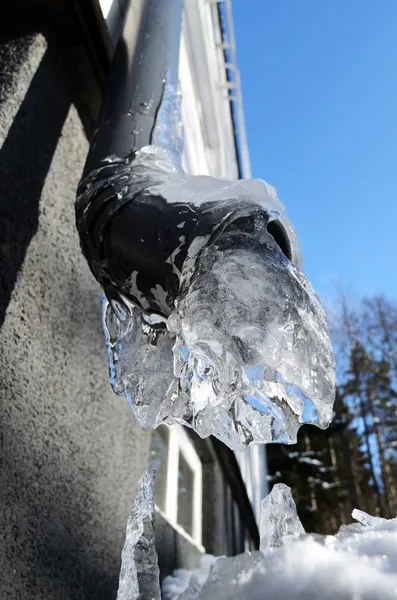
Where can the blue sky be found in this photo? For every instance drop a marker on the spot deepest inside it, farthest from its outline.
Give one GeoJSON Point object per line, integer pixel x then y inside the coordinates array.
{"type": "Point", "coordinates": [319, 83]}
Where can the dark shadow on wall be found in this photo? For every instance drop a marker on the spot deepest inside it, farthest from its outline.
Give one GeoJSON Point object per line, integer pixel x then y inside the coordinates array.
{"type": "Point", "coordinates": [25, 159]}
{"type": "Point", "coordinates": [52, 532]}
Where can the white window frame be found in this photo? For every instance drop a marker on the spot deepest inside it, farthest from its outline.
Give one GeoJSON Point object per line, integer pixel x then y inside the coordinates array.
{"type": "Point", "coordinates": [179, 443]}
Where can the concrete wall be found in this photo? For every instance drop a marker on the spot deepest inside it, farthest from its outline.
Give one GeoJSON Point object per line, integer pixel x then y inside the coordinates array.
{"type": "Point", "coordinates": [70, 450]}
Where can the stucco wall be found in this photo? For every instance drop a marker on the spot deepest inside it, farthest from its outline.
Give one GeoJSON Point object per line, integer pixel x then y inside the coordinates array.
{"type": "Point", "coordinates": [70, 450]}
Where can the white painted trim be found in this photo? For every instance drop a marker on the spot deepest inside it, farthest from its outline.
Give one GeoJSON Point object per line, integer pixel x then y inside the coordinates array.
{"type": "Point", "coordinates": [209, 133]}
{"type": "Point", "coordinates": [202, 38]}
{"type": "Point", "coordinates": [195, 156]}
{"type": "Point", "coordinates": [179, 442]}
{"type": "Point", "coordinates": [171, 502]}
{"type": "Point", "coordinates": [187, 449]}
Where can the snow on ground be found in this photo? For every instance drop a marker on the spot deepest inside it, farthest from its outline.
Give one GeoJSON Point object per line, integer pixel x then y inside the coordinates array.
{"type": "Point", "coordinates": [358, 563]}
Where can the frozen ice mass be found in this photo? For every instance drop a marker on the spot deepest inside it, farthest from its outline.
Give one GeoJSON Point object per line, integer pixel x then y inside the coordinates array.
{"type": "Point", "coordinates": [139, 573]}
{"type": "Point", "coordinates": [358, 563]}
{"type": "Point", "coordinates": [278, 518]}
{"type": "Point", "coordinates": [242, 349]}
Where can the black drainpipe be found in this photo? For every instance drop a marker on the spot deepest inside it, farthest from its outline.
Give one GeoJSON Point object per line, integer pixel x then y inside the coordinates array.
{"type": "Point", "coordinates": [135, 235]}
{"type": "Point", "coordinates": [146, 56]}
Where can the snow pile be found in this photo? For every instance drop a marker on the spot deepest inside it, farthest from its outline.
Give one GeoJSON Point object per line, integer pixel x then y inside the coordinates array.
{"type": "Point", "coordinates": [358, 563]}
{"type": "Point", "coordinates": [244, 353]}
{"type": "Point", "coordinates": [183, 580]}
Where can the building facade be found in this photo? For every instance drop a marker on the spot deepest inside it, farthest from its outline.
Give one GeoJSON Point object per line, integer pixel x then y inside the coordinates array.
{"type": "Point", "coordinates": [71, 452]}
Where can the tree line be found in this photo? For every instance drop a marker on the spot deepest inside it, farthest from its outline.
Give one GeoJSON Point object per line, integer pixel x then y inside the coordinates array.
{"type": "Point", "coordinates": [352, 464]}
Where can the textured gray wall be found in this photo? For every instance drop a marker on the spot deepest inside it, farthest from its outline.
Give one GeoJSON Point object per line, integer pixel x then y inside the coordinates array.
{"type": "Point", "coordinates": [70, 450]}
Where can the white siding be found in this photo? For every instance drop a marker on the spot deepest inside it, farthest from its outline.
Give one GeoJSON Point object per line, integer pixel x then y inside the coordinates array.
{"type": "Point", "coordinates": [209, 135]}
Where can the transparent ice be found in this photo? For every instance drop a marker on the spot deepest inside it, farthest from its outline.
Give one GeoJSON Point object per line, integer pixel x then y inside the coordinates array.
{"type": "Point", "coordinates": [245, 354]}
{"type": "Point", "coordinates": [139, 574]}
{"type": "Point", "coordinates": [278, 518]}
{"type": "Point", "coordinates": [227, 578]}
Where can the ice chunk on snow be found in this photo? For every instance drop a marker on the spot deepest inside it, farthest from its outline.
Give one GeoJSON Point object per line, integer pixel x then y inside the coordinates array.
{"type": "Point", "coordinates": [278, 518]}
{"type": "Point", "coordinates": [366, 519]}
{"type": "Point", "coordinates": [245, 354]}
{"type": "Point", "coordinates": [227, 577]}
{"type": "Point", "coordinates": [139, 574]}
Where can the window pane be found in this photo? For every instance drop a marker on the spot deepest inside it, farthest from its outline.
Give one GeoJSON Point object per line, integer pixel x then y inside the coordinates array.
{"type": "Point", "coordinates": [159, 461]}
{"type": "Point", "coordinates": [185, 495]}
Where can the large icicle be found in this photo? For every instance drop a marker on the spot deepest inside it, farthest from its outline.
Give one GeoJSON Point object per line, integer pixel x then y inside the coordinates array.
{"type": "Point", "coordinates": [139, 574]}
{"type": "Point", "coordinates": [244, 352]}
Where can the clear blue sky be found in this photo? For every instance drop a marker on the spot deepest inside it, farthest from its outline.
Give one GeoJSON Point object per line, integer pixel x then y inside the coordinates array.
{"type": "Point", "coordinates": [319, 83]}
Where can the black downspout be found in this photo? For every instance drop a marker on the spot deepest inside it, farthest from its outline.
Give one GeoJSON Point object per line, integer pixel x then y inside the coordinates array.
{"type": "Point", "coordinates": [136, 235]}
{"type": "Point", "coordinates": [145, 60]}
{"type": "Point", "coordinates": [143, 75]}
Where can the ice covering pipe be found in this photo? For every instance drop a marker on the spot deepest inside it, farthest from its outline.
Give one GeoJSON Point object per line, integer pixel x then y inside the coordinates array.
{"type": "Point", "coordinates": [135, 237]}
{"type": "Point", "coordinates": [202, 275]}
{"type": "Point", "coordinates": [143, 223]}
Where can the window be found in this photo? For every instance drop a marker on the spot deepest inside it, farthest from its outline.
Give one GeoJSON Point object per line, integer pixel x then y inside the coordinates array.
{"type": "Point", "coordinates": [159, 452]}
{"type": "Point", "coordinates": [178, 492]}
{"type": "Point", "coordinates": [234, 525]}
